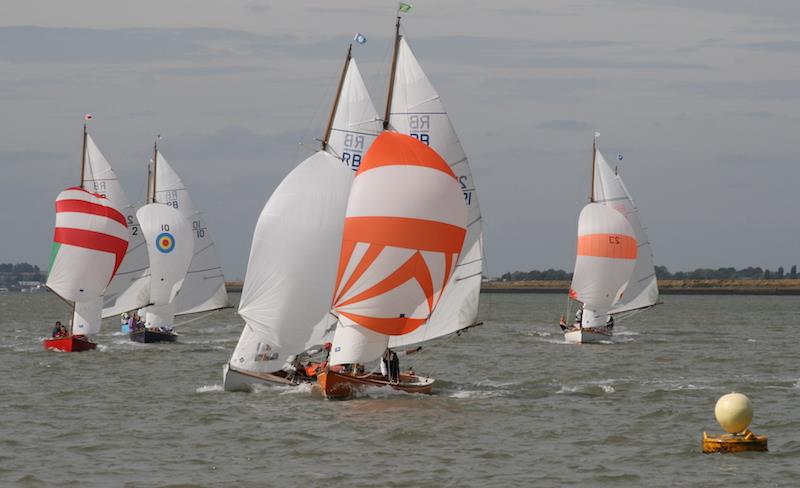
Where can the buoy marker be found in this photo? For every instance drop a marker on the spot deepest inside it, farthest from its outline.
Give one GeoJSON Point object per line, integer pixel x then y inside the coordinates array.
{"type": "Point", "coordinates": [734, 412]}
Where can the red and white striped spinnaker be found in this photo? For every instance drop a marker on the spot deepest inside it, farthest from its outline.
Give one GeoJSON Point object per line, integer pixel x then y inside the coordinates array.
{"type": "Point", "coordinates": [403, 234]}
{"type": "Point", "coordinates": [90, 240]}
{"type": "Point", "coordinates": [605, 259]}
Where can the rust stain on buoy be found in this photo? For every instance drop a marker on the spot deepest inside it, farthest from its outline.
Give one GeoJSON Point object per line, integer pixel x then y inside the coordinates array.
{"type": "Point", "coordinates": [743, 441]}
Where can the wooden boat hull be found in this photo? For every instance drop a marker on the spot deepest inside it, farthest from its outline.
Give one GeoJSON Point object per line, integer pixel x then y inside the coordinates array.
{"type": "Point", "coordinates": [342, 385]}
{"type": "Point", "coordinates": [69, 344]}
{"type": "Point", "coordinates": [147, 336]}
{"type": "Point", "coordinates": [235, 379]}
{"type": "Point", "coordinates": [588, 335]}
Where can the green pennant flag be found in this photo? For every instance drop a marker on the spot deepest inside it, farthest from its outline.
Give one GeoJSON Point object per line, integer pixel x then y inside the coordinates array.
{"type": "Point", "coordinates": [404, 7]}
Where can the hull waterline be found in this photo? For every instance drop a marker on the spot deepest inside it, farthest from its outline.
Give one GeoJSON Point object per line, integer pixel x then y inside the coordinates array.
{"type": "Point", "coordinates": [342, 386]}
{"type": "Point", "coordinates": [588, 335]}
{"type": "Point", "coordinates": [69, 344]}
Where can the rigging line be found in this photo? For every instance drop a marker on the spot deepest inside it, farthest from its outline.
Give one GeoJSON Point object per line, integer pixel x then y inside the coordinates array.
{"type": "Point", "coordinates": [479, 273]}
{"type": "Point", "coordinates": [200, 317]}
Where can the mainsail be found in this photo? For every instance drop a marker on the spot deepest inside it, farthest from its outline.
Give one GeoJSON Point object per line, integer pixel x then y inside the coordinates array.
{"type": "Point", "coordinates": [170, 247]}
{"type": "Point", "coordinates": [128, 290]}
{"type": "Point", "coordinates": [606, 256]}
{"type": "Point", "coordinates": [404, 230]}
{"type": "Point", "coordinates": [89, 243]}
{"type": "Point", "coordinates": [292, 267]}
{"type": "Point", "coordinates": [416, 109]}
{"type": "Point", "coordinates": [642, 289]}
{"type": "Point", "coordinates": [204, 286]}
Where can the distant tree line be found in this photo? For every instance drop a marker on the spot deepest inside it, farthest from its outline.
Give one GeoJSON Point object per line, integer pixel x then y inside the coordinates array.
{"type": "Point", "coordinates": [11, 274]}
{"type": "Point", "coordinates": [662, 273]}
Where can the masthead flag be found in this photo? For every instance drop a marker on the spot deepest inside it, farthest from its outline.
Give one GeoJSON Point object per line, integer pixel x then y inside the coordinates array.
{"type": "Point", "coordinates": [403, 7]}
{"type": "Point", "coordinates": [360, 38]}
{"type": "Point", "coordinates": [88, 117]}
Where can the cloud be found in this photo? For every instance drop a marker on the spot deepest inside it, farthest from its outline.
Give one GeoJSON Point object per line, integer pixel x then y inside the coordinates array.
{"type": "Point", "coordinates": [568, 125]}
{"type": "Point", "coordinates": [774, 46]}
{"type": "Point", "coordinates": [741, 90]}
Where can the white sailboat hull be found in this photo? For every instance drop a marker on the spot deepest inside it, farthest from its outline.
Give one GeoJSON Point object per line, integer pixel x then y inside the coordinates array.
{"type": "Point", "coordinates": [239, 380]}
{"type": "Point", "coordinates": [588, 336]}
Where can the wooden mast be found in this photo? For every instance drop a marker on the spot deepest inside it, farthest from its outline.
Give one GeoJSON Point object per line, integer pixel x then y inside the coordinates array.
{"type": "Point", "coordinates": [83, 154]}
{"type": "Point", "coordinates": [328, 129]}
{"type": "Point", "coordinates": [594, 156]}
{"type": "Point", "coordinates": [391, 75]}
{"type": "Point", "coordinates": [152, 195]}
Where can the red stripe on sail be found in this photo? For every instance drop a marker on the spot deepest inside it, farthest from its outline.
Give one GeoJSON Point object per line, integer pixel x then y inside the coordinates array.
{"type": "Point", "coordinates": [388, 326]}
{"type": "Point", "coordinates": [424, 235]}
{"type": "Point", "coordinates": [82, 206]}
{"type": "Point", "coordinates": [393, 148]}
{"type": "Point", "coordinates": [95, 241]}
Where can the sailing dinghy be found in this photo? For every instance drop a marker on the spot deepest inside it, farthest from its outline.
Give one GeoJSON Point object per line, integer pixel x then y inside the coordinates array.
{"type": "Point", "coordinates": [614, 270]}
{"type": "Point", "coordinates": [403, 233]}
{"type": "Point", "coordinates": [89, 243]}
{"type": "Point", "coordinates": [286, 298]}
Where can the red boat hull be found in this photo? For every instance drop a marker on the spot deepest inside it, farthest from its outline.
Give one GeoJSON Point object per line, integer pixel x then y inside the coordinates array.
{"type": "Point", "coordinates": [69, 344]}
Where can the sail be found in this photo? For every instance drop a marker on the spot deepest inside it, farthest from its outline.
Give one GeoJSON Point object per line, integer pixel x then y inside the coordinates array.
{"type": "Point", "coordinates": [605, 259]}
{"type": "Point", "coordinates": [609, 189]}
{"type": "Point", "coordinates": [417, 110]}
{"type": "Point", "coordinates": [128, 290]}
{"type": "Point", "coordinates": [204, 287]}
{"type": "Point", "coordinates": [86, 318]}
{"type": "Point", "coordinates": [404, 229]}
{"type": "Point", "coordinates": [286, 297]}
{"type": "Point", "coordinates": [170, 247]}
{"type": "Point", "coordinates": [89, 242]}
{"type": "Point", "coordinates": [356, 122]}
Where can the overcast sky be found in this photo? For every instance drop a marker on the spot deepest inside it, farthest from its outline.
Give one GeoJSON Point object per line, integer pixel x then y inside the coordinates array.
{"type": "Point", "coordinates": [702, 97]}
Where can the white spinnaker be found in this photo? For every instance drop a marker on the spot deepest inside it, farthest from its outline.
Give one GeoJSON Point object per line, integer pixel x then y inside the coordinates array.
{"type": "Point", "coordinates": [605, 258]}
{"type": "Point", "coordinates": [356, 122]}
{"type": "Point", "coordinates": [128, 290]}
{"type": "Point", "coordinates": [417, 110]}
{"type": "Point", "coordinates": [204, 286]}
{"type": "Point", "coordinates": [170, 247]}
{"type": "Point", "coordinates": [642, 289]}
{"type": "Point", "coordinates": [286, 299]}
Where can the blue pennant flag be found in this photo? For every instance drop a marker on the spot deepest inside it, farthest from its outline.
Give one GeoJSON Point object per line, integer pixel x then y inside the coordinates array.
{"type": "Point", "coordinates": [360, 38]}
{"type": "Point", "coordinates": [619, 157]}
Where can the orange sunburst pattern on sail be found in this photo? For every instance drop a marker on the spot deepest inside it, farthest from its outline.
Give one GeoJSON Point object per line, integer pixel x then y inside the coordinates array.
{"type": "Point", "coordinates": [403, 233]}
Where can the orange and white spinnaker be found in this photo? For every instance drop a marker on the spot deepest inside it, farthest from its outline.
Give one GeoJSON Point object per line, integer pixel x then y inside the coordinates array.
{"type": "Point", "coordinates": [606, 256]}
{"type": "Point", "coordinates": [404, 230]}
{"type": "Point", "coordinates": [90, 240]}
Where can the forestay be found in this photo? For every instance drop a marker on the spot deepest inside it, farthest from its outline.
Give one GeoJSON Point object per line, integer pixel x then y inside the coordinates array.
{"type": "Point", "coordinates": [417, 110]}
{"type": "Point", "coordinates": [404, 229]}
{"type": "Point", "coordinates": [286, 298]}
{"type": "Point", "coordinates": [204, 286]}
{"type": "Point", "coordinates": [642, 289]}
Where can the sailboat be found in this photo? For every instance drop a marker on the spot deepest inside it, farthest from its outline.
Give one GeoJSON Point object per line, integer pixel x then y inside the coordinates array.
{"type": "Point", "coordinates": [414, 107]}
{"type": "Point", "coordinates": [403, 233]}
{"type": "Point", "coordinates": [286, 298]}
{"type": "Point", "coordinates": [170, 248]}
{"type": "Point", "coordinates": [614, 271]}
{"type": "Point", "coordinates": [89, 243]}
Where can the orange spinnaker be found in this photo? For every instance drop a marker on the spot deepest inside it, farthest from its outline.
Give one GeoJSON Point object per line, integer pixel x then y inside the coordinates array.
{"type": "Point", "coordinates": [393, 148]}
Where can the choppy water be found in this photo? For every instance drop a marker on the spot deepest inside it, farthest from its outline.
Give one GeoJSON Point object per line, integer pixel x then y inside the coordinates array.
{"type": "Point", "coordinates": [514, 406]}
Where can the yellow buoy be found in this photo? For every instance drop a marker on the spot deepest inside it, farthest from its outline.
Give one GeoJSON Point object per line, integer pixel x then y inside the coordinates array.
{"type": "Point", "coordinates": [734, 412]}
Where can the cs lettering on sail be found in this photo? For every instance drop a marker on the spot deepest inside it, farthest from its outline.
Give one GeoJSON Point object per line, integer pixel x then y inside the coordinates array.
{"type": "Point", "coordinates": [419, 128]}
{"type": "Point", "coordinates": [354, 150]}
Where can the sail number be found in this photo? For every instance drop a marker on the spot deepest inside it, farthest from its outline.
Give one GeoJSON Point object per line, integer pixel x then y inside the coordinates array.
{"type": "Point", "coordinates": [419, 126]}
{"type": "Point", "coordinates": [100, 188]}
{"type": "Point", "coordinates": [613, 240]}
{"type": "Point", "coordinates": [165, 227]}
{"type": "Point", "coordinates": [354, 148]}
{"type": "Point", "coordinates": [134, 228]}
{"type": "Point", "coordinates": [198, 228]}
{"type": "Point", "coordinates": [171, 198]}
{"type": "Point", "coordinates": [464, 188]}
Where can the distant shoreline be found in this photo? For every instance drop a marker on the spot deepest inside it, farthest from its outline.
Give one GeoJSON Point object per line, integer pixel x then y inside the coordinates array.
{"type": "Point", "coordinates": [666, 287]}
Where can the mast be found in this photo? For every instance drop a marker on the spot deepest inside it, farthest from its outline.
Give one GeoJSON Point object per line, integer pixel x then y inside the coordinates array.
{"type": "Point", "coordinates": [83, 154]}
{"type": "Point", "coordinates": [152, 196]}
{"type": "Point", "coordinates": [391, 75]}
{"type": "Point", "coordinates": [594, 156]}
{"type": "Point", "coordinates": [328, 129]}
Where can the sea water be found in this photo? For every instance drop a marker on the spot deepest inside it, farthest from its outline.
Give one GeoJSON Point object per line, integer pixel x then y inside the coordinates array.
{"type": "Point", "coordinates": [513, 405]}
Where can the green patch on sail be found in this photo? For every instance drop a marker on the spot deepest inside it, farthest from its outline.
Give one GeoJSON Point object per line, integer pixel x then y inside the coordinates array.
{"type": "Point", "coordinates": [53, 253]}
